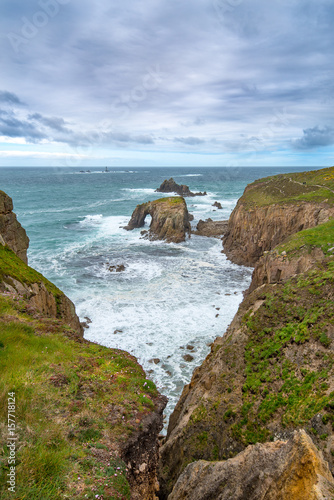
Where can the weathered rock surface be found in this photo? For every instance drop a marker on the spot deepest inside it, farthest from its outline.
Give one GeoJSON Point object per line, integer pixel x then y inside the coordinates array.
{"type": "Point", "coordinates": [274, 267]}
{"type": "Point", "coordinates": [11, 231]}
{"type": "Point", "coordinates": [211, 228]}
{"type": "Point", "coordinates": [170, 219]}
{"type": "Point", "coordinates": [141, 451]}
{"type": "Point", "coordinates": [170, 186]}
{"type": "Point", "coordinates": [218, 205]}
{"type": "Point", "coordinates": [283, 470]}
{"type": "Point", "coordinates": [39, 298]}
{"type": "Point", "coordinates": [252, 231]}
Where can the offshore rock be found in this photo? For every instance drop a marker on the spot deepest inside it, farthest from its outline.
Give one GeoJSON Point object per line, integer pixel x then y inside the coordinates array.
{"type": "Point", "coordinates": [210, 228]}
{"type": "Point", "coordinates": [218, 205]}
{"type": "Point", "coordinates": [170, 219]}
{"type": "Point", "coordinates": [283, 470]}
{"type": "Point", "coordinates": [12, 233]}
{"type": "Point", "coordinates": [170, 186]}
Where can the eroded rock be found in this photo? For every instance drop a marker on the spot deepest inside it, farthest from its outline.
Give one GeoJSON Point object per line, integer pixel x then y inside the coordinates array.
{"type": "Point", "coordinates": [11, 231]}
{"type": "Point", "coordinates": [170, 219]}
{"type": "Point", "coordinates": [170, 186]}
{"type": "Point", "coordinates": [211, 228]}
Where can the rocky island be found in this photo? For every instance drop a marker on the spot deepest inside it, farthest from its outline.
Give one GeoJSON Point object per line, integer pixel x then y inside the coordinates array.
{"type": "Point", "coordinates": [170, 219]}
{"type": "Point", "coordinates": [170, 186]}
{"type": "Point", "coordinates": [271, 374]}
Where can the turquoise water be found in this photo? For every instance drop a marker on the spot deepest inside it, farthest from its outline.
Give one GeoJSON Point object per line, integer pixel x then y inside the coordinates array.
{"type": "Point", "coordinates": [171, 300]}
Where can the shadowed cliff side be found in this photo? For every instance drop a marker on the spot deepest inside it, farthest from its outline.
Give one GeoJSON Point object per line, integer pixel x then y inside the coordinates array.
{"type": "Point", "coordinates": [275, 207]}
{"type": "Point", "coordinates": [11, 231]}
{"type": "Point", "coordinates": [170, 219]}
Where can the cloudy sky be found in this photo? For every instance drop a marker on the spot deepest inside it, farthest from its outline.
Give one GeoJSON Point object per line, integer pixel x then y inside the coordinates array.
{"type": "Point", "coordinates": [166, 82]}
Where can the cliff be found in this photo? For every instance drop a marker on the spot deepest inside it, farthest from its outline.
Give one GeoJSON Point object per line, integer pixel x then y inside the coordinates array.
{"type": "Point", "coordinates": [11, 231]}
{"type": "Point", "coordinates": [272, 372]}
{"type": "Point", "coordinates": [170, 186]}
{"type": "Point", "coordinates": [87, 419]}
{"type": "Point", "coordinates": [284, 470]}
{"type": "Point", "coordinates": [276, 207]}
{"type": "Point", "coordinates": [170, 219]}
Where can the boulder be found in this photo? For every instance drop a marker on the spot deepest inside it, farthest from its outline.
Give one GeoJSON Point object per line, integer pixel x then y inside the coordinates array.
{"type": "Point", "coordinates": [211, 228]}
{"type": "Point", "coordinates": [282, 470]}
{"type": "Point", "coordinates": [170, 186]}
{"type": "Point", "coordinates": [217, 205]}
{"type": "Point", "coordinates": [170, 219]}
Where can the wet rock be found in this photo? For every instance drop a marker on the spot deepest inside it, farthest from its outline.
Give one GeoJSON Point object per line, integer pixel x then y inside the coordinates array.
{"type": "Point", "coordinates": [210, 228]}
{"type": "Point", "coordinates": [170, 186]}
{"type": "Point", "coordinates": [154, 360]}
{"type": "Point", "coordinates": [117, 268]}
{"type": "Point", "coordinates": [188, 357]}
{"type": "Point", "coordinates": [217, 205]}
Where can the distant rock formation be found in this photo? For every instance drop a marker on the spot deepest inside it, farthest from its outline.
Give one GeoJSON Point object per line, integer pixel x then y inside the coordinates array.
{"type": "Point", "coordinates": [170, 186]}
{"type": "Point", "coordinates": [217, 205]}
{"type": "Point", "coordinates": [283, 470]}
{"type": "Point", "coordinates": [211, 228]}
{"type": "Point", "coordinates": [11, 231]}
{"type": "Point", "coordinates": [170, 219]}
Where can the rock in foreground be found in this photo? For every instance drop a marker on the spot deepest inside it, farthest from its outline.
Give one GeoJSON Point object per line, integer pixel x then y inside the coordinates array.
{"type": "Point", "coordinates": [283, 470]}
{"type": "Point", "coordinates": [170, 219]}
{"type": "Point", "coordinates": [170, 186]}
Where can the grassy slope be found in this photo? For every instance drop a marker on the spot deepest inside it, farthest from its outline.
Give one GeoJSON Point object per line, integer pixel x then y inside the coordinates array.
{"type": "Point", "coordinates": [320, 236]}
{"type": "Point", "coordinates": [75, 401]}
{"type": "Point", "coordinates": [314, 186]}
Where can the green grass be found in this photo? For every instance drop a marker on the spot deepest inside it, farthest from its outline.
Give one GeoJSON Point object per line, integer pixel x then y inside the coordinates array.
{"type": "Point", "coordinates": [315, 186]}
{"type": "Point", "coordinates": [74, 401]}
{"type": "Point", "coordinates": [321, 236]}
{"type": "Point", "coordinates": [14, 267]}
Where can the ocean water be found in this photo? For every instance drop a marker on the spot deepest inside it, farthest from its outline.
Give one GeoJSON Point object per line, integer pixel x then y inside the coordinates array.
{"type": "Point", "coordinates": [172, 300]}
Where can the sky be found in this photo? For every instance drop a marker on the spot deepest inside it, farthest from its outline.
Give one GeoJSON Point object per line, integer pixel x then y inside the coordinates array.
{"type": "Point", "coordinates": [166, 83]}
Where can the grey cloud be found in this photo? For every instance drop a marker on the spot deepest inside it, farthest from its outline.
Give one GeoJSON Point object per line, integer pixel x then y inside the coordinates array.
{"type": "Point", "coordinates": [54, 123]}
{"type": "Point", "coordinates": [10, 98]}
{"type": "Point", "coordinates": [315, 137]}
{"type": "Point", "coordinates": [191, 141]}
{"type": "Point", "coordinates": [12, 127]}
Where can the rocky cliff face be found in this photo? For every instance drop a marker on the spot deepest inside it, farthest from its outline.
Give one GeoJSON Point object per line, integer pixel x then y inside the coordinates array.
{"type": "Point", "coordinates": [211, 228]}
{"type": "Point", "coordinates": [272, 209]}
{"type": "Point", "coordinates": [272, 372]}
{"type": "Point", "coordinates": [170, 186]}
{"type": "Point", "coordinates": [11, 231]}
{"type": "Point", "coordinates": [252, 231]}
{"type": "Point", "coordinates": [170, 219]}
{"type": "Point", "coordinates": [283, 470]}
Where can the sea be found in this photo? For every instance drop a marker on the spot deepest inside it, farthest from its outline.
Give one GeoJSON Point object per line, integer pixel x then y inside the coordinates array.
{"type": "Point", "coordinates": [172, 300]}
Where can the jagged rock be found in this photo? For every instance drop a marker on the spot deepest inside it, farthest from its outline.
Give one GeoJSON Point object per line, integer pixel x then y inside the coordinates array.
{"type": "Point", "coordinates": [11, 231]}
{"type": "Point", "coordinates": [218, 205]}
{"type": "Point", "coordinates": [283, 470]}
{"type": "Point", "coordinates": [170, 219]}
{"type": "Point", "coordinates": [118, 268]}
{"type": "Point", "coordinates": [170, 186]}
{"type": "Point", "coordinates": [210, 228]}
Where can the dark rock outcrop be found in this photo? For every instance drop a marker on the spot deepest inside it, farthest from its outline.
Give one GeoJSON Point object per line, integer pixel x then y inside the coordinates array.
{"type": "Point", "coordinates": [211, 228]}
{"type": "Point", "coordinates": [170, 219]}
{"type": "Point", "coordinates": [218, 205]}
{"type": "Point", "coordinates": [170, 186]}
{"type": "Point", "coordinates": [283, 470]}
{"type": "Point", "coordinates": [12, 233]}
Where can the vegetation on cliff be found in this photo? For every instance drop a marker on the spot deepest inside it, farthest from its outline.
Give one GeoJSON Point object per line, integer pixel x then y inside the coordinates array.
{"type": "Point", "coordinates": [272, 372]}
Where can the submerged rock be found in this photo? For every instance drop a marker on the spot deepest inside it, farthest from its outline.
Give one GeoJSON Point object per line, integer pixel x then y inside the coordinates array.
{"type": "Point", "coordinates": [170, 219]}
{"type": "Point", "coordinates": [283, 470]}
{"type": "Point", "coordinates": [170, 186]}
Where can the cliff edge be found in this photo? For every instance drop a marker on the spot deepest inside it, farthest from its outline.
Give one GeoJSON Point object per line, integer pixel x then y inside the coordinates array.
{"type": "Point", "coordinates": [276, 207]}
{"type": "Point", "coordinates": [272, 371]}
